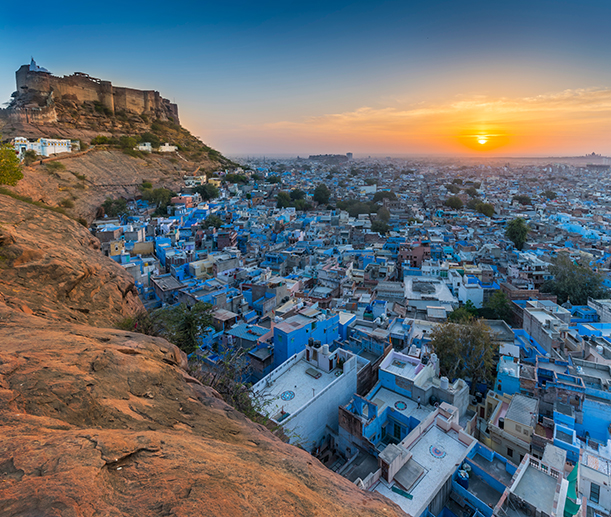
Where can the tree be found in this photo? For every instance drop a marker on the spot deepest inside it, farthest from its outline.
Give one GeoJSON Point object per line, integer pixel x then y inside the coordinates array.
{"type": "Point", "coordinates": [297, 194]}
{"type": "Point", "coordinates": [211, 221]}
{"type": "Point", "coordinates": [457, 181]}
{"type": "Point", "coordinates": [550, 194]}
{"type": "Point", "coordinates": [379, 226]}
{"type": "Point", "coordinates": [322, 194]}
{"type": "Point", "coordinates": [485, 208]}
{"type": "Point", "coordinates": [29, 157]}
{"type": "Point", "coordinates": [207, 191]}
{"type": "Point", "coordinates": [283, 199]}
{"type": "Point", "coordinates": [10, 168]}
{"type": "Point", "coordinates": [384, 194]}
{"type": "Point", "coordinates": [472, 191]}
{"type": "Point", "coordinates": [179, 324]}
{"type": "Point", "coordinates": [573, 282]}
{"type": "Point", "coordinates": [274, 179]}
{"type": "Point", "coordinates": [115, 207]}
{"type": "Point", "coordinates": [384, 214]}
{"type": "Point", "coordinates": [454, 202]}
{"type": "Point", "coordinates": [465, 313]}
{"type": "Point", "coordinates": [465, 350]}
{"type": "Point", "coordinates": [500, 306]}
{"type": "Point", "coordinates": [516, 232]}
{"type": "Point", "coordinates": [453, 188]}
{"type": "Point", "coordinates": [522, 199]}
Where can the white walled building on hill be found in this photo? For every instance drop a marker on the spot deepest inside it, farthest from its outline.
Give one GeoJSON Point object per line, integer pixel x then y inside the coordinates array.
{"type": "Point", "coordinates": [42, 146]}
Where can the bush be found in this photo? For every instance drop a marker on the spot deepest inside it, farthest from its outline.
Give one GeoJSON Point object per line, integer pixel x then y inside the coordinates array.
{"type": "Point", "coordinates": [67, 203]}
{"type": "Point", "coordinates": [29, 157]}
{"type": "Point", "coordinates": [55, 166]}
{"type": "Point", "coordinates": [454, 202]}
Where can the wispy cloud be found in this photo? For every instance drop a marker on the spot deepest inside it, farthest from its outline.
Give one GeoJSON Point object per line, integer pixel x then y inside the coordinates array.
{"type": "Point", "coordinates": [547, 121]}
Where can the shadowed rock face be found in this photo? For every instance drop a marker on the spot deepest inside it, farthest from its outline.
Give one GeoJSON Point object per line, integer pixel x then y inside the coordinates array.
{"type": "Point", "coordinates": [97, 421]}
{"type": "Point", "coordinates": [51, 266]}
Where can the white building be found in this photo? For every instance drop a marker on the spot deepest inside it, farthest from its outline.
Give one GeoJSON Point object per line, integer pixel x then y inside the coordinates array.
{"type": "Point", "coordinates": [167, 148]}
{"type": "Point", "coordinates": [42, 146]}
{"type": "Point", "coordinates": [595, 481]}
{"type": "Point", "coordinates": [303, 393]}
{"type": "Point", "coordinates": [146, 147]}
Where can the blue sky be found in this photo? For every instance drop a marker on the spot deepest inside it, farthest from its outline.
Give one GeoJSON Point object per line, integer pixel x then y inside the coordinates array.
{"type": "Point", "coordinates": [258, 77]}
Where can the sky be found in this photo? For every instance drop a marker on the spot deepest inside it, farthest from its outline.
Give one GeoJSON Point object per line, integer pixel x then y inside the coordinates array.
{"type": "Point", "coordinates": [519, 78]}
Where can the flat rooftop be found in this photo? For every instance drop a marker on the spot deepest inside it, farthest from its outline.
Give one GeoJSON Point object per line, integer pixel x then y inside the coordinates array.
{"type": "Point", "coordinates": [435, 457]}
{"type": "Point", "coordinates": [295, 387]}
{"type": "Point", "coordinates": [401, 365]}
{"type": "Point", "coordinates": [537, 489]}
{"type": "Point", "coordinates": [385, 397]}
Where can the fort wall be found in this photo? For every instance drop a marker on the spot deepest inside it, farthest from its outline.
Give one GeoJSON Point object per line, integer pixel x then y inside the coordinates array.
{"type": "Point", "coordinates": [83, 88]}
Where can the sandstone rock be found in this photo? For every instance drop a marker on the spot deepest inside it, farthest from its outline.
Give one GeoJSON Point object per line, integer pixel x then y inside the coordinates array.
{"type": "Point", "coordinates": [98, 421]}
{"type": "Point", "coordinates": [52, 266]}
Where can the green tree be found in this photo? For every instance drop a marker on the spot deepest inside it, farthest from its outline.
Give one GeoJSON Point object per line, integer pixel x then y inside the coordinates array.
{"type": "Point", "coordinates": [517, 232]}
{"type": "Point", "coordinates": [322, 194]}
{"type": "Point", "coordinates": [522, 199]}
{"type": "Point", "coordinates": [274, 179]}
{"type": "Point", "coordinates": [371, 181]}
{"type": "Point", "coordinates": [384, 194]}
{"type": "Point", "coordinates": [29, 157]}
{"type": "Point", "coordinates": [153, 139]}
{"type": "Point", "coordinates": [10, 168]}
{"type": "Point", "coordinates": [457, 181]}
{"type": "Point", "coordinates": [179, 324]}
{"type": "Point", "coordinates": [472, 191]}
{"type": "Point", "coordinates": [485, 208]}
{"type": "Point", "coordinates": [211, 221]}
{"type": "Point", "coordinates": [283, 199]}
{"type": "Point", "coordinates": [573, 282]}
{"type": "Point", "coordinates": [550, 194]}
{"type": "Point", "coordinates": [297, 194]}
{"type": "Point", "coordinates": [115, 207]}
{"type": "Point", "coordinates": [500, 306]}
{"type": "Point", "coordinates": [453, 188]}
{"type": "Point", "coordinates": [454, 202]}
{"type": "Point", "coordinates": [465, 313]}
{"type": "Point", "coordinates": [207, 191]}
{"type": "Point", "coordinates": [380, 226]}
{"type": "Point", "coordinates": [465, 350]}
{"type": "Point", "coordinates": [384, 214]}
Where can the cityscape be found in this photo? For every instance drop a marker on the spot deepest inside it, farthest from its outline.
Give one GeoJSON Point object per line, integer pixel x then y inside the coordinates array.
{"type": "Point", "coordinates": [382, 291]}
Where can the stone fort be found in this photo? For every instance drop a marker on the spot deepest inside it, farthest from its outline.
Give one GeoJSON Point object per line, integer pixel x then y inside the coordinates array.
{"type": "Point", "coordinates": [38, 89]}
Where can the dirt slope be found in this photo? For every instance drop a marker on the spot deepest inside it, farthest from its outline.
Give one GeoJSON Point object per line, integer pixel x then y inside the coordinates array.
{"type": "Point", "coordinates": [102, 422]}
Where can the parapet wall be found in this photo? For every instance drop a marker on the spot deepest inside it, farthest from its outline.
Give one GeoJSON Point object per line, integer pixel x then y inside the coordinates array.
{"type": "Point", "coordinates": [83, 88]}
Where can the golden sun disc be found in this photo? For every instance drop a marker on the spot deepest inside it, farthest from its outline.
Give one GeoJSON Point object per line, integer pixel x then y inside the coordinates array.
{"type": "Point", "coordinates": [482, 141]}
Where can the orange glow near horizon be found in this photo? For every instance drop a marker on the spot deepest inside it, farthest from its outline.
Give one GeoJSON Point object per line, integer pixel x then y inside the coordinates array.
{"type": "Point", "coordinates": [561, 123]}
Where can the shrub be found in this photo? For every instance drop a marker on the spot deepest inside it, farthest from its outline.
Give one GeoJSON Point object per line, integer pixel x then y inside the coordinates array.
{"type": "Point", "coordinates": [67, 203]}
{"type": "Point", "coordinates": [55, 166]}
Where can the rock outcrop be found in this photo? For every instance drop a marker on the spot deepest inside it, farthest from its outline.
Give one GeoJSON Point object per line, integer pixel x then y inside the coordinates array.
{"type": "Point", "coordinates": [52, 267]}
{"type": "Point", "coordinates": [98, 421]}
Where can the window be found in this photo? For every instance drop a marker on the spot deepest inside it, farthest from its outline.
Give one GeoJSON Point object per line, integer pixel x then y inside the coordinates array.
{"type": "Point", "coordinates": [509, 452]}
{"type": "Point", "coordinates": [518, 428]}
{"type": "Point", "coordinates": [313, 325]}
{"type": "Point", "coordinates": [594, 493]}
{"type": "Point", "coordinates": [525, 432]}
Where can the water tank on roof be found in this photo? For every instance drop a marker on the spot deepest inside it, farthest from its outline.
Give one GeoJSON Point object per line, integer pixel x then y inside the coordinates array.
{"type": "Point", "coordinates": [444, 383]}
{"type": "Point", "coordinates": [599, 349]}
{"type": "Point", "coordinates": [325, 349]}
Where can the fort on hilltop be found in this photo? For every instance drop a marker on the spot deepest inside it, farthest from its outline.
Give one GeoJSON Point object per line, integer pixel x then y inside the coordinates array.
{"type": "Point", "coordinates": [38, 91]}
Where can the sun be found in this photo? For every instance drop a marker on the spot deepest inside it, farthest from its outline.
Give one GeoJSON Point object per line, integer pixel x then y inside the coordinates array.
{"type": "Point", "coordinates": [482, 140]}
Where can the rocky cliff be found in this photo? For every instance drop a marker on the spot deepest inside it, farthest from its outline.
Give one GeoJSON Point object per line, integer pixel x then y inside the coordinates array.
{"type": "Point", "coordinates": [97, 421]}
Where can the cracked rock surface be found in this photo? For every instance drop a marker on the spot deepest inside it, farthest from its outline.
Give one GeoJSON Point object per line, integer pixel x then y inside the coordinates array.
{"type": "Point", "coordinates": [100, 422]}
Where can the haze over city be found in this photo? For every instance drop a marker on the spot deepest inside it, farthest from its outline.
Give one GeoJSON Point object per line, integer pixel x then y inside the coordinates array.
{"type": "Point", "coordinates": [469, 78]}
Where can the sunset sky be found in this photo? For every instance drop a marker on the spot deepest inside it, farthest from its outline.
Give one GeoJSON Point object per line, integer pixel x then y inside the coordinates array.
{"type": "Point", "coordinates": [519, 78]}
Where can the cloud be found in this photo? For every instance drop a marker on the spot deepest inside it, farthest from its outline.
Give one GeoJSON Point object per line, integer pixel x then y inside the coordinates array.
{"type": "Point", "coordinates": [546, 121]}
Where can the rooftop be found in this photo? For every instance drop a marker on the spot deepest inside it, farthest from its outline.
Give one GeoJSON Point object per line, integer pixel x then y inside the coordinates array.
{"type": "Point", "coordinates": [435, 456]}
{"type": "Point", "coordinates": [536, 488]}
{"type": "Point", "coordinates": [294, 387]}
{"type": "Point", "coordinates": [522, 410]}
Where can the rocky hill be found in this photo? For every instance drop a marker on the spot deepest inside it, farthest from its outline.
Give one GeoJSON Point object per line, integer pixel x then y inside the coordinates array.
{"type": "Point", "coordinates": [83, 182]}
{"type": "Point", "coordinates": [98, 421]}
